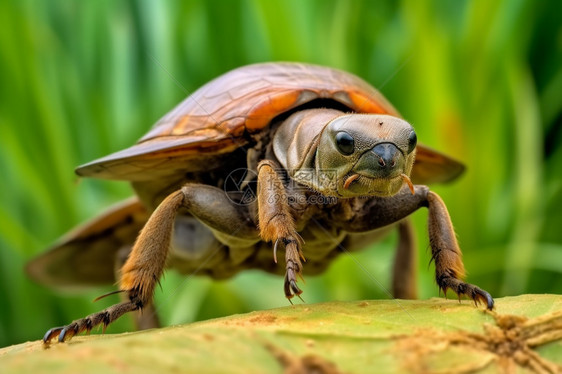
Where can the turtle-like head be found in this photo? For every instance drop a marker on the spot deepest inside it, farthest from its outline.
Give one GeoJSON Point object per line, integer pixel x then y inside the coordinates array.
{"type": "Point", "coordinates": [369, 154]}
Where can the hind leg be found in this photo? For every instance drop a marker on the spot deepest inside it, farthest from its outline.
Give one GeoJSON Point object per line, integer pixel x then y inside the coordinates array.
{"type": "Point", "coordinates": [404, 278]}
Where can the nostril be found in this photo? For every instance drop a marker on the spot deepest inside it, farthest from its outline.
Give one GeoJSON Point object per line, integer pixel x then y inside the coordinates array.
{"type": "Point", "coordinates": [386, 154]}
{"type": "Point", "coordinates": [384, 160]}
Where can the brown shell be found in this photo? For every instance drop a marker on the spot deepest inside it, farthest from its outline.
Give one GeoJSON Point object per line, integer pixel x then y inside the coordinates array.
{"type": "Point", "coordinates": [216, 118]}
{"type": "Point", "coordinates": [245, 100]}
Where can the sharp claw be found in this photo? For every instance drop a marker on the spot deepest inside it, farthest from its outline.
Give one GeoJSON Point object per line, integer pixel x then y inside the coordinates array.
{"type": "Point", "coordinates": [275, 250]}
{"type": "Point", "coordinates": [477, 295]}
{"type": "Point", "coordinates": [489, 300]}
{"type": "Point", "coordinates": [293, 255]}
{"type": "Point", "coordinates": [295, 288]}
{"type": "Point", "coordinates": [69, 331]}
{"type": "Point", "coordinates": [287, 288]}
{"type": "Point", "coordinates": [63, 335]}
{"type": "Point", "coordinates": [49, 335]}
{"type": "Point", "coordinates": [292, 290]}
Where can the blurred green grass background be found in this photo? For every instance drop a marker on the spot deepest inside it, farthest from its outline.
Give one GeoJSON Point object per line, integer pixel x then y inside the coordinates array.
{"type": "Point", "coordinates": [480, 80]}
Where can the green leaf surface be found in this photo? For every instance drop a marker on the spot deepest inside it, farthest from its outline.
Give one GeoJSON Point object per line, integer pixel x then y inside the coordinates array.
{"type": "Point", "coordinates": [523, 334]}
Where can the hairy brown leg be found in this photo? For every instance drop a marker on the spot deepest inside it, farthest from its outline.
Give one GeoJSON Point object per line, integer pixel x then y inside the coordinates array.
{"type": "Point", "coordinates": [277, 225]}
{"type": "Point", "coordinates": [139, 274]}
{"type": "Point", "coordinates": [404, 278]}
{"type": "Point", "coordinates": [449, 269]}
{"type": "Point", "coordinates": [145, 264]}
{"type": "Point", "coordinates": [147, 318]}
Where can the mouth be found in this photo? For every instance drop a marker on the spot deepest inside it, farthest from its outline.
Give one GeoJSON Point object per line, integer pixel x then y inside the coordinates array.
{"type": "Point", "coordinates": [374, 184]}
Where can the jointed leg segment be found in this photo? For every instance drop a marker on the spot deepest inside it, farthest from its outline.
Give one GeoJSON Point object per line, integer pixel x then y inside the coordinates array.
{"type": "Point", "coordinates": [277, 225]}
{"type": "Point", "coordinates": [449, 269]}
{"type": "Point", "coordinates": [147, 317]}
{"type": "Point", "coordinates": [145, 264]}
{"type": "Point", "coordinates": [88, 323]}
{"type": "Point", "coordinates": [139, 275]}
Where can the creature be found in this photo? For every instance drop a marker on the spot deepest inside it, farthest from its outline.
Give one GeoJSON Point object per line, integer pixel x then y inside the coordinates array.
{"type": "Point", "coordinates": [270, 156]}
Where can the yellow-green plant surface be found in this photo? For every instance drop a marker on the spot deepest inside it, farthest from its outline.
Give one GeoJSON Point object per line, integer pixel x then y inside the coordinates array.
{"type": "Point", "coordinates": [480, 80]}
{"type": "Point", "coordinates": [523, 334]}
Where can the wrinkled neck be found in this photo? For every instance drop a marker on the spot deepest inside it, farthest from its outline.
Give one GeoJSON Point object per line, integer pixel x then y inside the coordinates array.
{"type": "Point", "coordinates": [296, 139]}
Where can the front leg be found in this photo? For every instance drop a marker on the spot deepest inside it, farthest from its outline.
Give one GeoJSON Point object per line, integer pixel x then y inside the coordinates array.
{"type": "Point", "coordinates": [147, 318]}
{"type": "Point", "coordinates": [449, 269]}
{"type": "Point", "coordinates": [276, 224]}
{"type": "Point", "coordinates": [141, 272]}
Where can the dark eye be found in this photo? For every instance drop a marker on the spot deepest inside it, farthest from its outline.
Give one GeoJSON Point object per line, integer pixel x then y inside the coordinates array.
{"type": "Point", "coordinates": [345, 143]}
{"type": "Point", "coordinates": [412, 141]}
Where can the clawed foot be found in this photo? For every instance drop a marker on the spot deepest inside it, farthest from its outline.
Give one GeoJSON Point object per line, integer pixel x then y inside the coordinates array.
{"type": "Point", "coordinates": [293, 260]}
{"type": "Point", "coordinates": [104, 317]}
{"type": "Point", "coordinates": [461, 288]}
